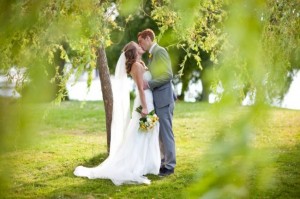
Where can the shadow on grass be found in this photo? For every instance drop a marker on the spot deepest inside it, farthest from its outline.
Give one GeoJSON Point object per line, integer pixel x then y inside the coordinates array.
{"type": "Point", "coordinates": [76, 187]}
{"type": "Point", "coordinates": [286, 177]}
{"type": "Point", "coordinates": [288, 174]}
{"type": "Point", "coordinates": [103, 188]}
{"type": "Point", "coordinates": [95, 161]}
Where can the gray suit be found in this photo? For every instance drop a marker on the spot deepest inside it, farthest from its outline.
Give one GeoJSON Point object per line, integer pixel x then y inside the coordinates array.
{"type": "Point", "coordinates": [163, 97]}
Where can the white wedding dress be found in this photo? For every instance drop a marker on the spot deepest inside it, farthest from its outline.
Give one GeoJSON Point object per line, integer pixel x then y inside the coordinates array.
{"type": "Point", "coordinates": [136, 154]}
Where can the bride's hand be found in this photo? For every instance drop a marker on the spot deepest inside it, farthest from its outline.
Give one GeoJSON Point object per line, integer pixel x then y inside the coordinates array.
{"type": "Point", "coordinates": [145, 85]}
{"type": "Point", "coordinates": [144, 112]}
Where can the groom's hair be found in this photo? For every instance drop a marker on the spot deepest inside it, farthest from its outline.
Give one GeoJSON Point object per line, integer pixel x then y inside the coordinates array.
{"type": "Point", "coordinates": [148, 32]}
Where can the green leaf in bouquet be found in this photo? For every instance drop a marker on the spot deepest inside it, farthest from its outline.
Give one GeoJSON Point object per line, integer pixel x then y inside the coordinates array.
{"type": "Point", "coordinates": [143, 119]}
{"type": "Point", "coordinates": [152, 112]}
{"type": "Point", "coordinates": [139, 109]}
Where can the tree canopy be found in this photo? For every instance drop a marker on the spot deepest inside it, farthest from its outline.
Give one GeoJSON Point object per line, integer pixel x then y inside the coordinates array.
{"type": "Point", "coordinates": [213, 32]}
{"type": "Point", "coordinates": [34, 31]}
{"type": "Point", "coordinates": [197, 33]}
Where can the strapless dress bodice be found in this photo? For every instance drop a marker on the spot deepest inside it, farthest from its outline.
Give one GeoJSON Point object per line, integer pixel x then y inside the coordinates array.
{"type": "Point", "coordinates": [147, 76]}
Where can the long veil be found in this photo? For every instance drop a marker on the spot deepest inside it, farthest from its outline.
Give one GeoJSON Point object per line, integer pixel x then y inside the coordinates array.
{"type": "Point", "coordinates": [121, 105]}
{"type": "Point", "coordinates": [132, 154]}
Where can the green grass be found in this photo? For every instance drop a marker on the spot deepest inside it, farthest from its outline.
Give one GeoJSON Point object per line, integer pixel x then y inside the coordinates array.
{"type": "Point", "coordinates": [72, 135]}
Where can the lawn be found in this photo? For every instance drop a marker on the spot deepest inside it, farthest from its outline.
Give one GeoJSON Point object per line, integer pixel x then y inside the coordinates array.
{"type": "Point", "coordinates": [72, 134]}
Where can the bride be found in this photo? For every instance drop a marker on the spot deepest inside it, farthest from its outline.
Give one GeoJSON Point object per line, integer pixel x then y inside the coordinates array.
{"type": "Point", "coordinates": [133, 153]}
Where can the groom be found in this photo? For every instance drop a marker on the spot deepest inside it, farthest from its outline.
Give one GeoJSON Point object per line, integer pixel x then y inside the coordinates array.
{"type": "Point", "coordinates": [163, 97]}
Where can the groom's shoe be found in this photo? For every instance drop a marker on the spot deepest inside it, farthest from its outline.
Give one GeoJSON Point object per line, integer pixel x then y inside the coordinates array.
{"type": "Point", "coordinates": [165, 172]}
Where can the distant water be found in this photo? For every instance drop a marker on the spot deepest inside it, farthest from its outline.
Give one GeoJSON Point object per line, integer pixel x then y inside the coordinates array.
{"type": "Point", "coordinates": [79, 91]}
{"type": "Point", "coordinates": [292, 99]}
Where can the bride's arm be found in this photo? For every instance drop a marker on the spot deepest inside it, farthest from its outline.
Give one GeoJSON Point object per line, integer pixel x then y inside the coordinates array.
{"type": "Point", "coordinates": [137, 72]}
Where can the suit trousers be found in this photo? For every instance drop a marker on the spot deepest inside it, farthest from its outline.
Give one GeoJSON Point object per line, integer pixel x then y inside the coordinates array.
{"type": "Point", "coordinates": [166, 136]}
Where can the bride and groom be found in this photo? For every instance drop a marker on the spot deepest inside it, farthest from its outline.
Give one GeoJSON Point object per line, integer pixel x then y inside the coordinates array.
{"type": "Point", "coordinates": [135, 153]}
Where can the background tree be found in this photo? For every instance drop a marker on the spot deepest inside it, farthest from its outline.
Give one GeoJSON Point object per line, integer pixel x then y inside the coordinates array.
{"type": "Point", "coordinates": [280, 40]}
{"type": "Point", "coordinates": [197, 29]}
{"type": "Point", "coordinates": [131, 25]}
{"type": "Point", "coordinates": [145, 17]}
{"type": "Point", "coordinates": [33, 35]}
{"type": "Point", "coordinates": [252, 47]}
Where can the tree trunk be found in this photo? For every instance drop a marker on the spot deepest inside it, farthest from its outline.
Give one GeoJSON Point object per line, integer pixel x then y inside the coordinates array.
{"type": "Point", "coordinates": [205, 91]}
{"type": "Point", "coordinates": [106, 90]}
{"type": "Point", "coordinates": [185, 83]}
{"type": "Point", "coordinates": [206, 78]}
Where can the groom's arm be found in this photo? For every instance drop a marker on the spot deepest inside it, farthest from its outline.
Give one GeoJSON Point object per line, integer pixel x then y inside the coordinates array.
{"type": "Point", "coordinates": [161, 70]}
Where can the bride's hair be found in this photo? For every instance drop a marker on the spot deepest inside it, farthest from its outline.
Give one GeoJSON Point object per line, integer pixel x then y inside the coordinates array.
{"type": "Point", "coordinates": [130, 52]}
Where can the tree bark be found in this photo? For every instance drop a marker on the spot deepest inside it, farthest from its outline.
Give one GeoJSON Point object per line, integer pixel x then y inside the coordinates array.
{"type": "Point", "coordinates": [106, 90]}
{"type": "Point", "coordinates": [205, 91]}
{"type": "Point", "coordinates": [185, 84]}
{"type": "Point", "coordinates": [206, 78]}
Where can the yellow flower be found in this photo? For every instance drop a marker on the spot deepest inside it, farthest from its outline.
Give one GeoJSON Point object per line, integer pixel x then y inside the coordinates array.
{"type": "Point", "coordinates": [150, 55]}
{"type": "Point", "coordinates": [147, 123]}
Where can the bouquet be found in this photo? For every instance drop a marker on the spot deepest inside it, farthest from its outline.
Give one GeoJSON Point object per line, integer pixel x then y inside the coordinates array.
{"type": "Point", "coordinates": [147, 122]}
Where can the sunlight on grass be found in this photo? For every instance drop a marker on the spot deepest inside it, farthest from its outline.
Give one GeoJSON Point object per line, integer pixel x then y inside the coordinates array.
{"type": "Point", "coordinates": [45, 168]}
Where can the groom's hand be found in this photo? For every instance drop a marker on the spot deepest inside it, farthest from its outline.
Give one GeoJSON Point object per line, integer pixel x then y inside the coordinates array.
{"type": "Point", "coordinates": [146, 85]}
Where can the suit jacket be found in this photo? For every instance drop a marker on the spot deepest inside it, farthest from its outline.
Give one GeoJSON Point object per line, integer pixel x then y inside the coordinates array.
{"type": "Point", "coordinates": [161, 71]}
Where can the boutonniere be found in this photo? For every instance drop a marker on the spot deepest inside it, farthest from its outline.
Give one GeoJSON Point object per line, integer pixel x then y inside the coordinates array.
{"type": "Point", "coordinates": [150, 55]}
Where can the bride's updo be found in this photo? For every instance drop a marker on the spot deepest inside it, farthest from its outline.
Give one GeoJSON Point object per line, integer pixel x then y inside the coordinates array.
{"type": "Point", "coordinates": [130, 52]}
